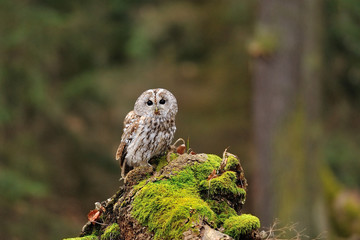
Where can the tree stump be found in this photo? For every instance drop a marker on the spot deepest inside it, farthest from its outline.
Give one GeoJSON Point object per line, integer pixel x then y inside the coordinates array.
{"type": "Point", "coordinates": [194, 196]}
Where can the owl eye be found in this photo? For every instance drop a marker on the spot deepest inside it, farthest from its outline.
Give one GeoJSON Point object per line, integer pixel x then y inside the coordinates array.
{"type": "Point", "coordinates": [149, 103]}
{"type": "Point", "coordinates": [162, 101]}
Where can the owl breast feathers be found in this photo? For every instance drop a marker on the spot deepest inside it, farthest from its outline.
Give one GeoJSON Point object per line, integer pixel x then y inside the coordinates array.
{"type": "Point", "coordinates": [149, 129]}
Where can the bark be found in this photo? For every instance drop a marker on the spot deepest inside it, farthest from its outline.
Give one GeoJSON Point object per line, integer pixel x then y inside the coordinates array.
{"type": "Point", "coordinates": [286, 114]}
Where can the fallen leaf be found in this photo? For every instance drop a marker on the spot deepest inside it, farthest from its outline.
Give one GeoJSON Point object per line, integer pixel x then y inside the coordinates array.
{"type": "Point", "coordinates": [94, 215]}
{"type": "Point", "coordinates": [181, 149]}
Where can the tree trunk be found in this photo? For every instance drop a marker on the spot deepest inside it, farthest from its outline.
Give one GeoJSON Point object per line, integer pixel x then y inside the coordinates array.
{"type": "Point", "coordinates": [286, 112]}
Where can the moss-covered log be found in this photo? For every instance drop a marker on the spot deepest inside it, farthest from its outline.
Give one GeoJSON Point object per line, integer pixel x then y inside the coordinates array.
{"type": "Point", "coordinates": [196, 196]}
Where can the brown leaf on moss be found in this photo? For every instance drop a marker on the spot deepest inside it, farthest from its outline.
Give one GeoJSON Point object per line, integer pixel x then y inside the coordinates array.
{"type": "Point", "coordinates": [94, 215]}
{"type": "Point", "coordinates": [181, 149]}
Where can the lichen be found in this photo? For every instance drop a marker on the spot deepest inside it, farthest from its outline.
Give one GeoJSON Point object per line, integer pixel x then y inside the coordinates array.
{"type": "Point", "coordinates": [111, 232]}
{"type": "Point", "coordinates": [240, 226]}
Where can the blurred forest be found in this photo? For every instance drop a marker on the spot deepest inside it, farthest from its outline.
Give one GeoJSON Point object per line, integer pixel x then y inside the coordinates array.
{"type": "Point", "coordinates": [71, 70]}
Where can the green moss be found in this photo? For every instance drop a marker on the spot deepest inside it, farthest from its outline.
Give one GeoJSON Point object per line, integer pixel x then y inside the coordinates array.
{"type": "Point", "coordinates": [170, 206]}
{"type": "Point", "coordinates": [140, 184]}
{"type": "Point", "coordinates": [90, 237]}
{"type": "Point", "coordinates": [111, 232]}
{"type": "Point", "coordinates": [203, 170]}
{"type": "Point", "coordinates": [222, 210]}
{"type": "Point", "coordinates": [168, 209]}
{"type": "Point", "coordinates": [239, 226]}
{"type": "Point", "coordinates": [232, 163]}
{"type": "Point", "coordinates": [214, 160]}
{"type": "Point", "coordinates": [223, 185]}
{"type": "Point", "coordinates": [162, 161]}
{"type": "Point", "coordinates": [184, 179]}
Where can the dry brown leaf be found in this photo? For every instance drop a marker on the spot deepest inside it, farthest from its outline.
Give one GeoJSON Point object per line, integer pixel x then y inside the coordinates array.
{"type": "Point", "coordinates": [94, 215]}
{"type": "Point", "coordinates": [181, 149]}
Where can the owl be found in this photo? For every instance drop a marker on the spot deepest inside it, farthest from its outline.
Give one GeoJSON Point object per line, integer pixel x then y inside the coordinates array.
{"type": "Point", "coordinates": [148, 130]}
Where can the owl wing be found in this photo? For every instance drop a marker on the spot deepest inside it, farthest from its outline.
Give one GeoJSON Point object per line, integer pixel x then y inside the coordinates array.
{"type": "Point", "coordinates": [131, 123]}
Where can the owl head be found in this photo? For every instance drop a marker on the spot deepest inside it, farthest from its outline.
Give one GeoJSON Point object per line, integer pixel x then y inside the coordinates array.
{"type": "Point", "coordinates": [157, 102]}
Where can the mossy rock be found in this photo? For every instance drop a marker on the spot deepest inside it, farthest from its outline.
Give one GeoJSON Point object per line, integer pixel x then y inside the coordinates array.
{"type": "Point", "coordinates": [239, 227]}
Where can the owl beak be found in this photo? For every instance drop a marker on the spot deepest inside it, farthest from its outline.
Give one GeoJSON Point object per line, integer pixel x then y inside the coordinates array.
{"type": "Point", "coordinates": [157, 112]}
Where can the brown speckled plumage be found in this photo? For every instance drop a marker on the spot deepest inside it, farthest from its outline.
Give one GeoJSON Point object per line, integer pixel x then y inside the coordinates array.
{"type": "Point", "coordinates": [149, 129]}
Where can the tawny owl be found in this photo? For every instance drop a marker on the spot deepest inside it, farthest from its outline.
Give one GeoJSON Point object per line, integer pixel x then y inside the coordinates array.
{"type": "Point", "coordinates": [148, 129]}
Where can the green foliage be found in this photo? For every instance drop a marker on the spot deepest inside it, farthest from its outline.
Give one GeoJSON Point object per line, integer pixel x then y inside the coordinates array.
{"type": "Point", "coordinates": [50, 96]}
{"type": "Point", "coordinates": [343, 205]}
{"type": "Point", "coordinates": [342, 54]}
{"type": "Point", "coordinates": [239, 226]}
{"type": "Point", "coordinates": [16, 187]}
{"type": "Point", "coordinates": [33, 217]}
{"type": "Point", "coordinates": [331, 185]}
{"type": "Point", "coordinates": [342, 153]}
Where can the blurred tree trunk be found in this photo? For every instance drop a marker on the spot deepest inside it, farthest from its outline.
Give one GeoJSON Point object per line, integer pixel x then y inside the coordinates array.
{"type": "Point", "coordinates": [286, 113]}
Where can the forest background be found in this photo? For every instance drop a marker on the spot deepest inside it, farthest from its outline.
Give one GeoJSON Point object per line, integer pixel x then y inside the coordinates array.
{"type": "Point", "coordinates": [277, 81]}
